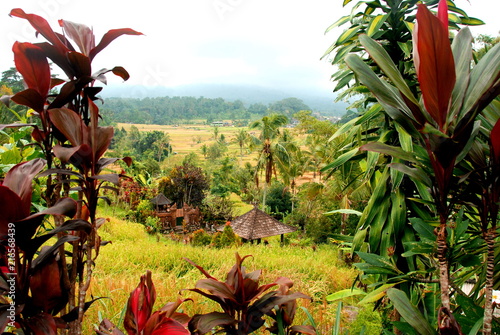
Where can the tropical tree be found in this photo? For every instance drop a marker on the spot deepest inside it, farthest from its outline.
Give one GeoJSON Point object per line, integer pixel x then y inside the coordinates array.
{"type": "Point", "coordinates": [241, 139]}
{"type": "Point", "coordinates": [185, 184]}
{"type": "Point", "coordinates": [12, 79]}
{"type": "Point", "coordinates": [216, 133]}
{"type": "Point", "coordinates": [389, 22]}
{"type": "Point", "coordinates": [439, 134]}
{"type": "Point", "coordinates": [272, 153]}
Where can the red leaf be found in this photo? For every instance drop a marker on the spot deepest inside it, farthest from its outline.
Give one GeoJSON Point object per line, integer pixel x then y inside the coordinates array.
{"type": "Point", "coordinates": [202, 270]}
{"type": "Point", "coordinates": [80, 63]}
{"type": "Point", "coordinates": [30, 98]}
{"type": "Point", "coordinates": [121, 72]}
{"type": "Point", "coordinates": [82, 157]}
{"type": "Point", "coordinates": [169, 327]}
{"type": "Point", "coordinates": [140, 305]}
{"type": "Point", "coordinates": [65, 206]}
{"type": "Point", "coordinates": [20, 178]}
{"type": "Point", "coordinates": [10, 207]}
{"type": "Point", "coordinates": [434, 64]}
{"type": "Point", "coordinates": [109, 37]}
{"type": "Point", "coordinates": [56, 82]}
{"type": "Point", "coordinates": [41, 26]}
{"type": "Point", "coordinates": [69, 124]}
{"type": "Point", "coordinates": [106, 327]}
{"type": "Point", "coordinates": [171, 307]}
{"type": "Point", "coordinates": [111, 177]}
{"type": "Point", "coordinates": [64, 153]}
{"type": "Point", "coordinates": [50, 297]}
{"type": "Point", "coordinates": [443, 13]}
{"type": "Point", "coordinates": [58, 57]}
{"type": "Point", "coordinates": [495, 142]}
{"type": "Point", "coordinates": [32, 63]}
{"type": "Point", "coordinates": [41, 324]}
{"type": "Point", "coordinates": [306, 329]}
{"type": "Point", "coordinates": [202, 324]}
{"type": "Point", "coordinates": [102, 140]}
{"type": "Point", "coordinates": [81, 34]}
{"type": "Point", "coordinates": [217, 288]}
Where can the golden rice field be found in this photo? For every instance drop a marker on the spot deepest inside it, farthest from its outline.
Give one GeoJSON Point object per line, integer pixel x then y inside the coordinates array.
{"type": "Point", "coordinates": [187, 139]}
{"type": "Point", "coordinates": [316, 272]}
{"type": "Point", "coordinates": [190, 138]}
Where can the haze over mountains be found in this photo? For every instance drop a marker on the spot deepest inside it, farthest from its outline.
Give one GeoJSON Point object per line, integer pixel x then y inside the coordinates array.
{"type": "Point", "coordinates": [322, 102]}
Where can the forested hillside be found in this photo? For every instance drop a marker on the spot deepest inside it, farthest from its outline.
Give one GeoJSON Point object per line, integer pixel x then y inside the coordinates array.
{"type": "Point", "coordinates": [172, 110]}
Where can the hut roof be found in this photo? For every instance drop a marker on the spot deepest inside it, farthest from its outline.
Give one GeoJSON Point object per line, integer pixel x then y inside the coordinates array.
{"type": "Point", "coordinates": [161, 200]}
{"type": "Point", "coordinates": [257, 224]}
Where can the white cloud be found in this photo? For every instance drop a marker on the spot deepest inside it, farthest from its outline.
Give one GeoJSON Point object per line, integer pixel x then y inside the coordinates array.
{"type": "Point", "coordinates": [274, 43]}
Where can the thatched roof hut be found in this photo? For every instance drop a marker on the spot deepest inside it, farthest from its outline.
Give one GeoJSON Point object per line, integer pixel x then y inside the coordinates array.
{"type": "Point", "coordinates": [161, 200]}
{"type": "Point", "coordinates": [257, 224]}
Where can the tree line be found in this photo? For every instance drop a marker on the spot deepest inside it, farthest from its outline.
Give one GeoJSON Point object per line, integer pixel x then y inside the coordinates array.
{"type": "Point", "coordinates": [174, 110]}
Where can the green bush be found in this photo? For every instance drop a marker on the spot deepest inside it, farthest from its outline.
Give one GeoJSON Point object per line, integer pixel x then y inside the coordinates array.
{"type": "Point", "coordinates": [200, 238]}
{"type": "Point", "coordinates": [226, 238]}
{"type": "Point", "coordinates": [143, 211]}
{"type": "Point", "coordinates": [367, 321]}
{"type": "Point", "coordinates": [152, 224]}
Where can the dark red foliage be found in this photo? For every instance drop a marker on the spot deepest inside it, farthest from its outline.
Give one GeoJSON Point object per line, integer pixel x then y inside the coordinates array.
{"type": "Point", "coordinates": [140, 319]}
{"type": "Point", "coordinates": [243, 301]}
{"type": "Point", "coordinates": [69, 130]}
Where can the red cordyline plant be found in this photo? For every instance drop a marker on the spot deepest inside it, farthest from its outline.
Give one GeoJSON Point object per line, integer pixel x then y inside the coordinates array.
{"type": "Point", "coordinates": [245, 303]}
{"type": "Point", "coordinates": [444, 122]}
{"type": "Point", "coordinates": [243, 300]}
{"type": "Point", "coordinates": [140, 319]}
{"type": "Point", "coordinates": [32, 289]}
{"type": "Point", "coordinates": [69, 130]}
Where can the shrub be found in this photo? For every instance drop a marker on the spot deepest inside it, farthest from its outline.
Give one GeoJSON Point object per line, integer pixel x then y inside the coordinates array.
{"type": "Point", "coordinates": [142, 212]}
{"type": "Point", "coordinates": [152, 224]}
{"type": "Point", "coordinates": [200, 238]}
{"type": "Point", "coordinates": [217, 209]}
{"type": "Point", "coordinates": [226, 238]}
{"type": "Point", "coordinates": [367, 322]}
{"type": "Point", "coordinates": [245, 303]}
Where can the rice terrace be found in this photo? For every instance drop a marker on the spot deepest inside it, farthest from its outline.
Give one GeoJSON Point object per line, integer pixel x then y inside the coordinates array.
{"type": "Point", "coordinates": [220, 193]}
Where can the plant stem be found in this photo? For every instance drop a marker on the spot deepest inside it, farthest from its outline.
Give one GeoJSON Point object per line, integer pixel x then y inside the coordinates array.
{"type": "Point", "coordinates": [444, 279]}
{"type": "Point", "coordinates": [489, 237]}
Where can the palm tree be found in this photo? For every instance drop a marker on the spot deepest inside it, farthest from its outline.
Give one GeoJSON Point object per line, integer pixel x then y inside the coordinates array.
{"type": "Point", "coordinates": [272, 153]}
{"type": "Point", "coordinates": [241, 138]}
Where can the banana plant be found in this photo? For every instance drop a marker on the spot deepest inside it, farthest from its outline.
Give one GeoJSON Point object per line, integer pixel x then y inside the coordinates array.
{"type": "Point", "coordinates": [442, 123]}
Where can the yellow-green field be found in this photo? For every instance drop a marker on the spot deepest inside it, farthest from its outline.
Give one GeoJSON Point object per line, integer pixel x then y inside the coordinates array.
{"type": "Point", "coordinates": [190, 138]}
{"type": "Point", "coordinates": [186, 139]}
{"type": "Point", "coordinates": [316, 272]}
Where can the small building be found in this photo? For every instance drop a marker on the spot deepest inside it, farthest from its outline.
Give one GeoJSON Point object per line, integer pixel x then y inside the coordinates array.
{"type": "Point", "coordinates": [257, 224]}
{"type": "Point", "coordinates": [221, 124]}
{"type": "Point", "coordinates": [161, 202]}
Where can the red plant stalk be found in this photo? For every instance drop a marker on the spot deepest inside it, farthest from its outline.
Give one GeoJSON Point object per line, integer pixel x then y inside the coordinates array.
{"type": "Point", "coordinates": [490, 201]}
{"type": "Point", "coordinates": [70, 116]}
{"type": "Point", "coordinates": [435, 69]}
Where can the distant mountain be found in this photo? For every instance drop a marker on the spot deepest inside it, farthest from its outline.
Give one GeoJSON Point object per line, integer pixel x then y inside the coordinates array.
{"type": "Point", "coordinates": [322, 102]}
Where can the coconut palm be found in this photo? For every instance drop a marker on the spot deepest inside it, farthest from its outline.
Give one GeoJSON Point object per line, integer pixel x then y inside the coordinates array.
{"type": "Point", "coordinates": [241, 139]}
{"type": "Point", "coordinates": [272, 152]}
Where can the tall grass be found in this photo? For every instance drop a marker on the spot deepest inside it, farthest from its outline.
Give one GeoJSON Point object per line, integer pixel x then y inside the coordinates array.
{"type": "Point", "coordinates": [316, 272]}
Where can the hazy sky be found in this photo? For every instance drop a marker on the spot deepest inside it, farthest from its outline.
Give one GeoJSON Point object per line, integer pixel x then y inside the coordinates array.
{"type": "Point", "coordinates": [273, 43]}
